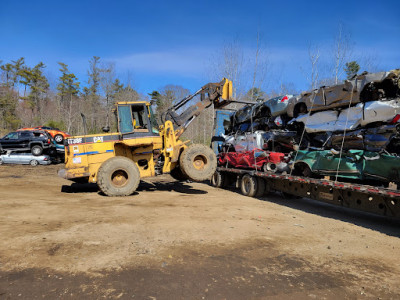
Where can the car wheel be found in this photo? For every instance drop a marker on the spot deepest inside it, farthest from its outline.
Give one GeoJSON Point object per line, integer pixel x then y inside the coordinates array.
{"type": "Point", "coordinates": [33, 162]}
{"type": "Point", "coordinates": [299, 109]}
{"type": "Point", "coordinates": [37, 150]}
{"type": "Point", "coordinates": [58, 138]}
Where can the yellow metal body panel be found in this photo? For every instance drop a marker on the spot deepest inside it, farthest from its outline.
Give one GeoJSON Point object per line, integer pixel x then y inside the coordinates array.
{"type": "Point", "coordinates": [227, 89]}
{"type": "Point", "coordinates": [85, 154]}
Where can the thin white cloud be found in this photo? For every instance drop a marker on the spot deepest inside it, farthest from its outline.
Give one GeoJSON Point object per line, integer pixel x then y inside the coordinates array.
{"type": "Point", "coordinates": [190, 62]}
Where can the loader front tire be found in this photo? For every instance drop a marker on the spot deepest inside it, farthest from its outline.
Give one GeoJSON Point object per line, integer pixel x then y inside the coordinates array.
{"type": "Point", "coordinates": [198, 162]}
{"type": "Point", "coordinates": [118, 176]}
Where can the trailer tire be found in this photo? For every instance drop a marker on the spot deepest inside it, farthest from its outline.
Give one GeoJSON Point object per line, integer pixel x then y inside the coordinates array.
{"type": "Point", "coordinates": [177, 174]}
{"type": "Point", "coordinates": [198, 162]}
{"type": "Point", "coordinates": [219, 180]}
{"type": "Point", "coordinates": [118, 176]}
{"type": "Point", "coordinates": [248, 185]}
{"type": "Point", "coordinates": [260, 187]}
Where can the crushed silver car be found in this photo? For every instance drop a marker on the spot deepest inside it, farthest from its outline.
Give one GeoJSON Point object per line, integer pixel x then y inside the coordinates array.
{"type": "Point", "coordinates": [350, 118]}
{"type": "Point", "coordinates": [24, 159]}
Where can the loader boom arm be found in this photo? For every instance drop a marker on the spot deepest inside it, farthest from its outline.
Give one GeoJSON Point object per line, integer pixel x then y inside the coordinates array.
{"type": "Point", "coordinates": [219, 94]}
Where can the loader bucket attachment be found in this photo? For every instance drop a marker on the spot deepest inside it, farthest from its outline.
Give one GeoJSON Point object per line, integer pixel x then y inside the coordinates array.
{"type": "Point", "coordinates": [225, 92]}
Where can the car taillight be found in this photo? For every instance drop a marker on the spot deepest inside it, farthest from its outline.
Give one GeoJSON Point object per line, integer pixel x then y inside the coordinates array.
{"type": "Point", "coordinates": [284, 99]}
{"type": "Point", "coordinates": [395, 120]}
{"type": "Point", "coordinates": [48, 141]}
{"type": "Point", "coordinates": [45, 158]}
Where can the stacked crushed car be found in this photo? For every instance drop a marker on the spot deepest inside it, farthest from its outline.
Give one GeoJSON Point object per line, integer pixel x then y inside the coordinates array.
{"type": "Point", "coordinates": [350, 130]}
{"type": "Point", "coordinates": [37, 145]}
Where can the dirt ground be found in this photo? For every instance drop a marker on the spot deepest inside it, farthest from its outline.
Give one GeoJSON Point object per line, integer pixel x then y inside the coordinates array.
{"type": "Point", "coordinates": [176, 240]}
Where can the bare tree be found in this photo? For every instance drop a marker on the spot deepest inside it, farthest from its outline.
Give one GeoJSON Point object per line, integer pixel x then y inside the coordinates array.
{"type": "Point", "coordinates": [261, 65]}
{"type": "Point", "coordinates": [107, 78]}
{"type": "Point", "coordinates": [313, 56]}
{"type": "Point", "coordinates": [228, 63]}
{"type": "Point", "coordinates": [369, 62]}
{"type": "Point", "coordinates": [341, 52]}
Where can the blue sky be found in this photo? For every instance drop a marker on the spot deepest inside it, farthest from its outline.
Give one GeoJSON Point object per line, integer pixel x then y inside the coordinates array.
{"type": "Point", "coordinates": [154, 43]}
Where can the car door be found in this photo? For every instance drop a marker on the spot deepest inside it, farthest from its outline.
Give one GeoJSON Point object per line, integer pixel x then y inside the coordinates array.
{"type": "Point", "coordinates": [349, 164]}
{"type": "Point", "coordinates": [12, 158]}
{"type": "Point", "coordinates": [24, 139]}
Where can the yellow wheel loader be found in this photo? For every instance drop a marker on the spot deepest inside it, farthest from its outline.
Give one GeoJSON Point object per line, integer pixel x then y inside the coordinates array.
{"type": "Point", "coordinates": [141, 148]}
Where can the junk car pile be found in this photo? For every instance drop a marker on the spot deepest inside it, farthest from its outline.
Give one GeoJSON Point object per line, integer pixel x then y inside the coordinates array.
{"type": "Point", "coordinates": [30, 146]}
{"type": "Point", "coordinates": [350, 130]}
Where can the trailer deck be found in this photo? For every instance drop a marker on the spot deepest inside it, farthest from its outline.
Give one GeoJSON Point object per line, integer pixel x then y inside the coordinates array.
{"type": "Point", "coordinates": [377, 200]}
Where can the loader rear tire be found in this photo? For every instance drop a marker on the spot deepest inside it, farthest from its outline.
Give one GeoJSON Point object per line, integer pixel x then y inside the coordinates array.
{"type": "Point", "coordinates": [198, 162]}
{"type": "Point", "coordinates": [118, 176]}
{"type": "Point", "coordinates": [177, 174]}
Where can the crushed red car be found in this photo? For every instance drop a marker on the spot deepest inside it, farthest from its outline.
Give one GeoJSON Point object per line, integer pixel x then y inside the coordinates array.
{"type": "Point", "coordinates": [256, 159]}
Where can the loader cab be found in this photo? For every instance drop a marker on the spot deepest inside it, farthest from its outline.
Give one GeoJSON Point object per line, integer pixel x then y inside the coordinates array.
{"type": "Point", "coordinates": [136, 119]}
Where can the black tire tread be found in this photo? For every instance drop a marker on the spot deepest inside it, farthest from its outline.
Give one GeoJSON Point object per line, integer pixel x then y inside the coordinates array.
{"type": "Point", "coordinates": [37, 146]}
{"type": "Point", "coordinates": [110, 165]}
{"type": "Point", "coordinates": [186, 164]}
{"type": "Point", "coordinates": [219, 180]}
{"type": "Point", "coordinates": [253, 188]}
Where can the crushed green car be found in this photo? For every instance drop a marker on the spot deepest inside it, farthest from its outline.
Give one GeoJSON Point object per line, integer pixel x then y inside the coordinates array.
{"type": "Point", "coordinates": [354, 164]}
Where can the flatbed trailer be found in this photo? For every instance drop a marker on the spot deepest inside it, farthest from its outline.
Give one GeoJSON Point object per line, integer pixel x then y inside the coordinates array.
{"type": "Point", "coordinates": [372, 199]}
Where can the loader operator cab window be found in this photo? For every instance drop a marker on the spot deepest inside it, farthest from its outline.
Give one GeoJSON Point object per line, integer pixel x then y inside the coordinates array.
{"type": "Point", "coordinates": [133, 118]}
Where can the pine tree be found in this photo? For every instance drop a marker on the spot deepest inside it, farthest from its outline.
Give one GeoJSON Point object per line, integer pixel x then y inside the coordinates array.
{"type": "Point", "coordinates": [68, 86]}
{"type": "Point", "coordinates": [38, 85]}
{"type": "Point", "coordinates": [351, 69]}
{"type": "Point", "coordinates": [68, 89]}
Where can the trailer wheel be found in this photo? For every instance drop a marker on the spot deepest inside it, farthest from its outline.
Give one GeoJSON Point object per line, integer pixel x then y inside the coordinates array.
{"type": "Point", "coordinates": [248, 185]}
{"type": "Point", "coordinates": [118, 176]}
{"type": "Point", "coordinates": [219, 180]}
{"type": "Point", "coordinates": [198, 162]}
{"type": "Point", "coordinates": [177, 174]}
{"type": "Point", "coordinates": [260, 187]}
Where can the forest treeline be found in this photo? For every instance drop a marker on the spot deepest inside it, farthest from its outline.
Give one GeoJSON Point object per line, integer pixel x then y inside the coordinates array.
{"type": "Point", "coordinates": [27, 99]}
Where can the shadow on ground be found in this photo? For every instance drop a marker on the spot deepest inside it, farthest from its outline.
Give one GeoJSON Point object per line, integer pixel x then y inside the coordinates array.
{"type": "Point", "coordinates": [386, 225]}
{"type": "Point", "coordinates": [144, 186]}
